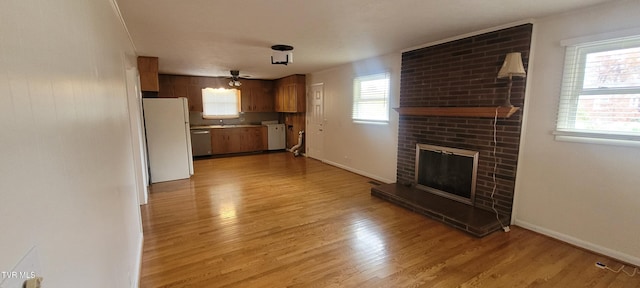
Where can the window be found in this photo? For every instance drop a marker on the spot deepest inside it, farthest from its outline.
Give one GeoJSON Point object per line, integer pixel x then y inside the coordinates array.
{"type": "Point", "coordinates": [601, 91]}
{"type": "Point", "coordinates": [371, 98]}
{"type": "Point", "coordinates": [220, 103]}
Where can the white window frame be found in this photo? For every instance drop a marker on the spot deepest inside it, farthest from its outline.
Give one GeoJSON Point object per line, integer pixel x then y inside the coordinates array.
{"type": "Point", "coordinates": [382, 101]}
{"type": "Point", "coordinates": [220, 103]}
{"type": "Point", "coordinates": [572, 88]}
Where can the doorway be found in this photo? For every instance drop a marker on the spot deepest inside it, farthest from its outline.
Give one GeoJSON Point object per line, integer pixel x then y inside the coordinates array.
{"type": "Point", "coordinates": [315, 125]}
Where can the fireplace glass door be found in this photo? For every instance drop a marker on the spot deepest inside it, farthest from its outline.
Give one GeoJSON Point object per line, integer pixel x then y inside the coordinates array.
{"type": "Point", "coordinates": [446, 171]}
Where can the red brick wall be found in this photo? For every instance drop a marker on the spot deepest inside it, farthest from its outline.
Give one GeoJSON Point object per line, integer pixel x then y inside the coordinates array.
{"type": "Point", "coordinates": [463, 73]}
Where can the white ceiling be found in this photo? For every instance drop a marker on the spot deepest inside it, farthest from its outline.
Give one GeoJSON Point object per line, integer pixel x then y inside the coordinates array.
{"type": "Point", "coordinates": [211, 37]}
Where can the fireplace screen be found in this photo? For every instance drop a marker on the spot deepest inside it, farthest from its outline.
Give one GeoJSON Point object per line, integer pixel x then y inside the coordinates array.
{"type": "Point", "coordinates": [448, 172]}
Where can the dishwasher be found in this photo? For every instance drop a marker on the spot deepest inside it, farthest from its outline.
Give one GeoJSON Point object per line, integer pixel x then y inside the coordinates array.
{"type": "Point", "coordinates": [201, 142]}
{"type": "Point", "coordinates": [276, 136]}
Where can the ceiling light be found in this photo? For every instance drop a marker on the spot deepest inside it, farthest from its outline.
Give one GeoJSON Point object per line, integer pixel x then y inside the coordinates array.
{"type": "Point", "coordinates": [282, 54]}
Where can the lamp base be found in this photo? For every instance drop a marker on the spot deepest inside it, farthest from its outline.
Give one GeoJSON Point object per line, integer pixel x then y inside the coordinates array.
{"type": "Point", "coordinates": [507, 102]}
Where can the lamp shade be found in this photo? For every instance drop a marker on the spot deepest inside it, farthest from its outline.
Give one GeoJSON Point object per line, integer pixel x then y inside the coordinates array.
{"type": "Point", "coordinates": [512, 66]}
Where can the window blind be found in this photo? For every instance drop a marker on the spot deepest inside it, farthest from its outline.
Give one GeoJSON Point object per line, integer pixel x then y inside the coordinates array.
{"type": "Point", "coordinates": [371, 98]}
{"type": "Point", "coordinates": [600, 93]}
{"type": "Point", "coordinates": [220, 103]}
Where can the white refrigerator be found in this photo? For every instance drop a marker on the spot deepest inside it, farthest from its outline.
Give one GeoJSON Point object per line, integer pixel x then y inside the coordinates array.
{"type": "Point", "coordinates": [166, 123]}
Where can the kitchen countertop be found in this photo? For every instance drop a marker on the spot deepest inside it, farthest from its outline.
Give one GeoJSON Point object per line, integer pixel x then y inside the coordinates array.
{"type": "Point", "coordinates": [222, 126]}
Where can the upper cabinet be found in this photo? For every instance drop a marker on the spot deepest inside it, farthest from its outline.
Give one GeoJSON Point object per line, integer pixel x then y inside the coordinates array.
{"type": "Point", "coordinates": [173, 86]}
{"type": "Point", "coordinates": [287, 94]}
{"type": "Point", "coordinates": [290, 94]}
{"type": "Point", "coordinates": [257, 96]}
{"type": "Point", "coordinates": [148, 69]}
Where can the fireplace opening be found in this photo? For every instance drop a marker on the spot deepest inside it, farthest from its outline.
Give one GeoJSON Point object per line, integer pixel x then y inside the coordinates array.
{"type": "Point", "coordinates": [448, 172]}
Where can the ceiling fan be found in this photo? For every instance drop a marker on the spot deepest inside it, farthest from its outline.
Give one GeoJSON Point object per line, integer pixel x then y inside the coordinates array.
{"type": "Point", "coordinates": [235, 78]}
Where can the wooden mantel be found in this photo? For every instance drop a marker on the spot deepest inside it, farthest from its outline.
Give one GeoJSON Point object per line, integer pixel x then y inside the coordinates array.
{"type": "Point", "coordinates": [486, 112]}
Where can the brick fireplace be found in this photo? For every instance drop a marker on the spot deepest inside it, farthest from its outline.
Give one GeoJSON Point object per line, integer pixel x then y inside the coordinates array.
{"type": "Point", "coordinates": [462, 73]}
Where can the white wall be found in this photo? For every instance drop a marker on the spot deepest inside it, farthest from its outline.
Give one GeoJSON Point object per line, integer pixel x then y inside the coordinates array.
{"type": "Point", "coordinates": [67, 182]}
{"type": "Point", "coordinates": [585, 194]}
{"type": "Point", "coordinates": [366, 149]}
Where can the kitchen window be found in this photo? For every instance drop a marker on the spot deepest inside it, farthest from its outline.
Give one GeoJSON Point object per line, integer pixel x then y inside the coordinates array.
{"type": "Point", "coordinates": [220, 103]}
{"type": "Point", "coordinates": [601, 92]}
{"type": "Point", "coordinates": [371, 98]}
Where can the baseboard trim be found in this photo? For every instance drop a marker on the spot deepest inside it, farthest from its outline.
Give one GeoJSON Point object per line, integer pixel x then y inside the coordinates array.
{"type": "Point", "coordinates": [580, 243]}
{"type": "Point", "coordinates": [359, 172]}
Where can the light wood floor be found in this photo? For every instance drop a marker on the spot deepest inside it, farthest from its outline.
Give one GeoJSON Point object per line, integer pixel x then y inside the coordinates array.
{"type": "Point", "coordinates": [272, 220]}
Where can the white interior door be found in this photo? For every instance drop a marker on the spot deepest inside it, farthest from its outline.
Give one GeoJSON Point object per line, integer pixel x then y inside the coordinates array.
{"type": "Point", "coordinates": [315, 125]}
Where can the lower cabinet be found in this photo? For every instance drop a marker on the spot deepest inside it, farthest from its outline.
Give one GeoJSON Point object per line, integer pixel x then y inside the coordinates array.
{"type": "Point", "coordinates": [238, 139]}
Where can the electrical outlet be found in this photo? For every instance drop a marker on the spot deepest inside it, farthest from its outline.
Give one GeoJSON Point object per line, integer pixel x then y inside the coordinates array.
{"type": "Point", "coordinates": [27, 268]}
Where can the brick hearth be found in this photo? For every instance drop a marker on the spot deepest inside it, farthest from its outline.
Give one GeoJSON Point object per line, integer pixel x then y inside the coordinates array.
{"type": "Point", "coordinates": [475, 221]}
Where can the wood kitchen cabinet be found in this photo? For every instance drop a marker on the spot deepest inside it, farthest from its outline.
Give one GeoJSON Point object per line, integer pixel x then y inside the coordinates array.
{"type": "Point", "coordinates": [166, 86]}
{"type": "Point", "coordinates": [224, 140]}
{"type": "Point", "coordinates": [291, 94]}
{"type": "Point", "coordinates": [172, 86]}
{"type": "Point", "coordinates": [252, 139]}
{"type": "Point", "coordinates": [238, 139]}
{"type": "Point", "coordinates": [257, 96]}
{"type": "Point", "coordinates": [148, 69]}
{"type": "Point", "coordinates": [194, 94]}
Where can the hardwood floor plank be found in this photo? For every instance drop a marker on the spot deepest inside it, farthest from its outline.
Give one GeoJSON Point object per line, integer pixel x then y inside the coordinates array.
{"type": "Point", "coordinates": [274, 220]}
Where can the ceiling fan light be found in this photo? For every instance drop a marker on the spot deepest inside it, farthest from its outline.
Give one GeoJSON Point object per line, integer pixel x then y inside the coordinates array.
{"type": "Point", "coordinates": [234, 78]}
